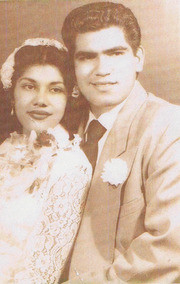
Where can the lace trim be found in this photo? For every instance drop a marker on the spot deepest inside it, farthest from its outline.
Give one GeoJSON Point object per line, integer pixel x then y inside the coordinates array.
{"type": "Point", "coordinates": [53, 237]}
{"type": "Point", "coordinates": [37, 237]}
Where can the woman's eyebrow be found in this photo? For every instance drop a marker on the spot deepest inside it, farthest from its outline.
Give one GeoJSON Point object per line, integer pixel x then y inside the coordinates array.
{"type": "Point", "coordinates": [57, 82]}
{"type": "Point", "coordinates": [28, 79]}
{"type": "Point", "coordinates": [34, 81]}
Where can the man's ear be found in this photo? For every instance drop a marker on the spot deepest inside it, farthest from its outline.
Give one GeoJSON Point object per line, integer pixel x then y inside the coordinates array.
{"type": "Point", "coordinates": [140, 55]}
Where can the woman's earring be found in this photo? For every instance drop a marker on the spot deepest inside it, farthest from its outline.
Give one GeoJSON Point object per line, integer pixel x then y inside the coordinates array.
{"type": "Point", "coordinates": [12, 111]}
{"type": "Point", "coordinates": [75, 92]}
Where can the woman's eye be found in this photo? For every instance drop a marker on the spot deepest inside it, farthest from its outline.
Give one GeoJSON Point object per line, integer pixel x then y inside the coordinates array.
{"type": "Point", "coordinates": [28, 87]}
{"type": "Point", "coordinates": [57, 90]}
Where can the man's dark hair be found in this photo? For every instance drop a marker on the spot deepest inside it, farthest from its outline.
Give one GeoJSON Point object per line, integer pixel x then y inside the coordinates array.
{"type": "Point", "coordinates": [99, 15]}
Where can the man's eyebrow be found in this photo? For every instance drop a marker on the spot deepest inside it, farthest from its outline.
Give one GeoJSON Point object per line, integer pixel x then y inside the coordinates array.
{"type": "Point", "coordinates": [107, 51]}
{"type": "Point", "coordinates": [117, 48]}
{"type": "Point", "coordinates": [85, 53]}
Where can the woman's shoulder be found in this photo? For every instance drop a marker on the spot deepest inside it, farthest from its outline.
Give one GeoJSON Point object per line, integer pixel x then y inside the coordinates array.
{"type": "Point", "coordinates": [68, 158]}
{"type": "Point", "coordinates": [52, 148]}
{"type": "Point", "coordinates": [69, 149]}
{"type": "Point", "coordinates": [72, 158]}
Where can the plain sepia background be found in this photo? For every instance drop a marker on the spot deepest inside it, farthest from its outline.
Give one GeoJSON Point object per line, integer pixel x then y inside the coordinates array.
{"type": "Point", "coordinates": [159, 21]}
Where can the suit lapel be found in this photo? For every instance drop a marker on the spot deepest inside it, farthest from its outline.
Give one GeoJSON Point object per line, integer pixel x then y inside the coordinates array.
{"type": "Point", "coordinates": [104, 199]}
{"type": "Point", "coordinates": [116, 142]}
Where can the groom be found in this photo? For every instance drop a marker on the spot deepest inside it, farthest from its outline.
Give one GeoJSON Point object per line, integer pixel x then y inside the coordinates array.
{"type": "Point", "coordinates": [130, 231]}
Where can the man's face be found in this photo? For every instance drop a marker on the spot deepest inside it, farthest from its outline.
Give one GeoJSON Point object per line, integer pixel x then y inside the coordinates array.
{"type": "Point", "coordinates": [105, 67]}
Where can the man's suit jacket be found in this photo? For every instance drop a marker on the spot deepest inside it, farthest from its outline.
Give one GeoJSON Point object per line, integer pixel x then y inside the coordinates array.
{"type": "Point", "coordinates": [131, 233]}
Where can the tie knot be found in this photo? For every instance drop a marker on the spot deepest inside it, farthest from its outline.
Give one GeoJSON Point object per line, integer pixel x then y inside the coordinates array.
{"type": "Point", "coordinates": [95, 131]}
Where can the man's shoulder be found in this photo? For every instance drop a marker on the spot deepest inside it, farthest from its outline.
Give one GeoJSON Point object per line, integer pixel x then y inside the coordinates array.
{"type": "Point", "coordinates": [156, 116]}
{"type": "Point", "coordinates": [157, 102]}
{"type": "Point", "coordinates": [158, 120]}
{"type": "Point", "coordinates": [159, 110]}
{"type": "Point", "coordinates": [151, 107]}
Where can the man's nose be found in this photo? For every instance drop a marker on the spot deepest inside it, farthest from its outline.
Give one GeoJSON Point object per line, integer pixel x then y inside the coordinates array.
{"type": "Point", "coordinates": [41, 98]}
{"type": "Point", "coordinates": [102, 66]}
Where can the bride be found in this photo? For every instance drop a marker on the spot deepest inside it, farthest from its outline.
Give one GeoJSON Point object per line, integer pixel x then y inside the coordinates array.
{"type": "Point", "coordinates": [43, 176]}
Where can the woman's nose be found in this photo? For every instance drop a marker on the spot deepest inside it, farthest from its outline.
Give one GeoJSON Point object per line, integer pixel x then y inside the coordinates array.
{"type": "Point", "coordinates": [41, 98]}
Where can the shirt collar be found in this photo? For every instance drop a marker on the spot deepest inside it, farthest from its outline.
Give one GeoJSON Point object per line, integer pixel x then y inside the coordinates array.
{"type": "Point", "coordinates": [106, 119]}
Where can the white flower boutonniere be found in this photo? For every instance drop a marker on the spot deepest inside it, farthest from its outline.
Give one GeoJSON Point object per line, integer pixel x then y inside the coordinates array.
{"type": "Point", "coordinates": [115, 171]}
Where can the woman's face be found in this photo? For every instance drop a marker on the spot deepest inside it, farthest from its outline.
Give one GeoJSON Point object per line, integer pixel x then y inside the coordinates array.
{"type": "Point", "coordinates": [40, 98]}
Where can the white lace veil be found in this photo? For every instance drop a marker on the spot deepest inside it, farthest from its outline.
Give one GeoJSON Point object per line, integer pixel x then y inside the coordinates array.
{"type": "Point", "coordinates": [7, 69]}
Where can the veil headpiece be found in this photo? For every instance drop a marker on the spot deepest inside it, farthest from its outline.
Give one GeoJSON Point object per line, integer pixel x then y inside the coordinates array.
{"type": "Point", "coordinates": [7, 69]}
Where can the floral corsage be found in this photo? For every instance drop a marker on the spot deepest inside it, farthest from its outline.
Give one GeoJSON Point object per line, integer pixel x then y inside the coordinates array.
{"type": "Point", "coordinates": [115, 172]}
{"type": "Point", "coordinates": [26, 161]}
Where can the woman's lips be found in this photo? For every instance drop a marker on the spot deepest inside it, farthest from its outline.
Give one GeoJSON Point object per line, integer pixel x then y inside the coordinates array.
{"type": "Point", "coordinates": [39, 114]}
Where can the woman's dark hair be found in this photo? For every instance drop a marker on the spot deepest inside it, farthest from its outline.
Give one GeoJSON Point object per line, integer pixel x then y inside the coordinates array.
{"type": "Point", "coordinates": [41, 55]}
{"type": "Point", "coordinates": [24, 58]}
{"type": "Point", "coordinates": [5, 118]}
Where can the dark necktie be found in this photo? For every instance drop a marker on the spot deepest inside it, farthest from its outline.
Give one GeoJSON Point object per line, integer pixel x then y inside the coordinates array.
{"type": "Point", "coordinates": [94, 133]}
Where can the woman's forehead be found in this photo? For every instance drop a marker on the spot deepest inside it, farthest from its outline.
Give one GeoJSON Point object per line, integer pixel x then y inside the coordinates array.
{"type": "Point", "coordinates": [42, 73]}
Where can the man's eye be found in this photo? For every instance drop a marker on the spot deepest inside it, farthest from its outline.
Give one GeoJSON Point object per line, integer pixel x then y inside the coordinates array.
{"type": "Point", "coordinates": [117, 53]}
{"type": "Point", "coordinates": [85, 57]}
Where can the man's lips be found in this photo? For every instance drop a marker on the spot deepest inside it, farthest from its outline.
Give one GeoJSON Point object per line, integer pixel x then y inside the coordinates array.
{"type": "Point", "coordinates": [39, 114]}
{"type": "Point", "coordinates": [103, 86]}
{"type": "Point", "coordinates": [103, 83]}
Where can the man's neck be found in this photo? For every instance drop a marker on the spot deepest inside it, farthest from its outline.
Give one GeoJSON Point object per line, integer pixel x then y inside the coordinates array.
{"type": "Point", "coordinates": [97, 111]}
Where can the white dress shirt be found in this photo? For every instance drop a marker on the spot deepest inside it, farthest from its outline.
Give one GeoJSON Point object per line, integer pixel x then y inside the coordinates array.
{"type": "Point", "coordinates": [107, 120]}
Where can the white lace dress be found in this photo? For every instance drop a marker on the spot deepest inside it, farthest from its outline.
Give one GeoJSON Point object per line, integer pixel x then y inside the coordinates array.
{"type": "Point", "coordinates": [42, 194]}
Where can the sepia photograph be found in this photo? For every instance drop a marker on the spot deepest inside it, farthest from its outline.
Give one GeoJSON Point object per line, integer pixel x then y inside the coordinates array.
{"type": "Point", "coordinates": [89, 141]}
